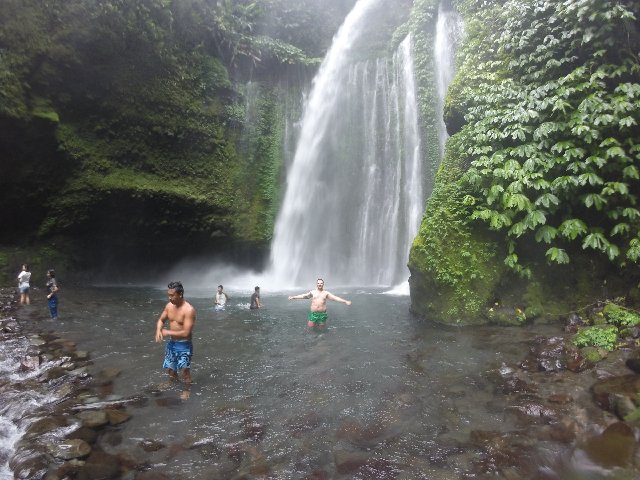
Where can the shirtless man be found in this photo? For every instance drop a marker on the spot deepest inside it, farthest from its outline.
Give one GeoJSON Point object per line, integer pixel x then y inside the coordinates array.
{"type": "Point", "coordinates": [318, 313]}
{"type": "Point", "coordinates": [179, 349]}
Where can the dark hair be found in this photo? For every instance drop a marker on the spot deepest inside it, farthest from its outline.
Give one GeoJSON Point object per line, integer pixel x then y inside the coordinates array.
{"type": "Point", "coordinates": [257, 288]}
{"type": "Point", "coordinates": [51, 273]}
{"type": "Point", "coordinates": [26, 267]}
{"type": "Point", "coordinates": [220, 286]}
{"type": "Point", "coordinates": [177, 286]}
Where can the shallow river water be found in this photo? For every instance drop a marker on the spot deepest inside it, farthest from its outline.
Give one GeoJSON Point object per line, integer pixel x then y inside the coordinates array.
{"type": "Point", "coordinates": [377, 394]}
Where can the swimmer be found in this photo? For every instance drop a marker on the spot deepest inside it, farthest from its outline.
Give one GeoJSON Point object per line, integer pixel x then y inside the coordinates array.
{"type": "Point", "coordinates": [255, 299]}
{"type": "Point", "coordinates": [317, 315]}
{"type": "Point", "coordinates": [221, 299]}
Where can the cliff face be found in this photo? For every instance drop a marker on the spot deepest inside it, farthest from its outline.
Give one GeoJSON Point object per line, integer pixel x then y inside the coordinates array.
{"type": "Point", "coordinates": [137, 130]}
{"type": "Point", "coordinates": [534, 208]}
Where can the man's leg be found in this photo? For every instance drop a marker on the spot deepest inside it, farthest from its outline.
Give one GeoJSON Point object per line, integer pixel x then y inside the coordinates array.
{"type": "Point", "coordinates": [186, 379]}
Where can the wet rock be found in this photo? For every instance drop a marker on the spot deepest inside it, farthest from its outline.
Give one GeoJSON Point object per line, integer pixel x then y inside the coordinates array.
{"type": "Point", "coordinates": [593, 354]}
{"type": "Point", "coordinates": [30, 362]}
{"type": "Point", "coordinates": [29, 464]}
{"type": "Point", "coordinates": [560, 398]}
{"type": "Point", "coordinates": [633, 364]}
{"type": "Point", "coordinates": [82, 355]}
{"type": "Point", "coordinates": [36, 340]}
{"type": "Point", "coordinates": [93, 419]}
{"type": "Point", "coordinates": [10, 326]}
{"type": "Point", "coordinates": [622, 405]}
{"type": "Point", "coordinates": [111, 439]}
{"type": "Point", "coordinates": [615, 447]}
{"type": "Point", "coordinates": [149, 445]}
{"type": "Point", "coordinates": [116, 417]}
{"type": "Point", "coordinates": [99, 466]}
{"type": "Point", "coordinates": [52, 374]}
{"type": "Point", "coordinates": [349, 462]}
{"type": "Point", "coordinates": [532, 413]}
{"type": "Point", "coordinates": [546, 355]}
{"type": "Point", "coordinates": [68, 449]}
{"type": "Point", "coordinates": [605, 391]}
{"type": "Point", "coordinates": [45, 425]}
{"type": "Point", "coordinates": [89, 435]}
{"type": "Point", "coordinates": [573, 322]}
{"type": "Point", "coordinates": [510, 384]}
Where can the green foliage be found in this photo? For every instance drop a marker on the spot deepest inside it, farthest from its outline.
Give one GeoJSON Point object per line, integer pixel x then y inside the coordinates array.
{"type": "Point", "coordinates": [597, 336]}
{"type": "Point", "coordinates": [620, 316]}
{"type": "Point", "coordinates": [454, 267]}
{"type": "Point", "coordinates": [422, 27]}
{"type": "Point", "coordinates": [548, 98]}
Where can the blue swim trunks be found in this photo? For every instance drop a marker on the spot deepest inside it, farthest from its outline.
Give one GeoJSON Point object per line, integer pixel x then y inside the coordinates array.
{"type": "Point", "coordinates": [177, 354]}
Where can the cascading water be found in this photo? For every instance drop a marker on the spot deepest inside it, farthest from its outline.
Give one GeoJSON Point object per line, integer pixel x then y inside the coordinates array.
{"type": "Point", "coordinates": [449, 28]}
{"type": "Point", "coordinates": [354, 198]}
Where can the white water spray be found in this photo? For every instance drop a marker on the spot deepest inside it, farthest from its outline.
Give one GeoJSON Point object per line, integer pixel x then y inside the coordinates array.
{"type": "Point", "coordinates": [449, 29]}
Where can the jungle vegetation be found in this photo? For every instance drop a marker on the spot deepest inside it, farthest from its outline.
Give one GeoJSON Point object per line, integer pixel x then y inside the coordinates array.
{"type": "Point", "coordinates": [542, 171]}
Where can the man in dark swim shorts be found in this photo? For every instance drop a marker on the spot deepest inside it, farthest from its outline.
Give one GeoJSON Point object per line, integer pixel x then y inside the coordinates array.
{"type": "Point", "coordinates": [318, 314]}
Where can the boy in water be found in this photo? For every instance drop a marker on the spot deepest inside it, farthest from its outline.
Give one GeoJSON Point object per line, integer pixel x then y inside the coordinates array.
{"type": "Point", "coordinates": [221, 299]}
{"type": "Point", "coordinates": [179, 349]}
{"type": "Point", "coordinates": [317, 315]}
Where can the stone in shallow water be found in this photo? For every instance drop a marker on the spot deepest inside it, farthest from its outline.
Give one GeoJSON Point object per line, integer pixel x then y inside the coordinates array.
{"type": "Point", "coordinates": [93, 419]}
{"type": "Point", "coordinates": [149, 445]}
{"type": "Point", "coordinates": [116, 417]}
{"type": "Point", "coordinates": [605, 391]}
{"type": "Point", "coordinates": [615, 447]}
{"type": "Point", "coordinates": [68, 449]}
{"type": "Point", "coordinates": [46, 424]}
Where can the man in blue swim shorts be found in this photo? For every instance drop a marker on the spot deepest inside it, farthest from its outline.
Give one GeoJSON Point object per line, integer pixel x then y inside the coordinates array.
{"type": "Point", "coordinates": [317, 315]}
{"type": "Point", "coordinates": [179, 349]}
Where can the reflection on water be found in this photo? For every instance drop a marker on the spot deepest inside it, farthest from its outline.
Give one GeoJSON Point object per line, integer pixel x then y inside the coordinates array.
{"type": "Point", "coordinates": [378, 394]}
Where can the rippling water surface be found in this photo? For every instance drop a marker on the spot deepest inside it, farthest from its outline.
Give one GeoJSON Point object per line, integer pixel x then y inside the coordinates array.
{"type": "Point", "coordinates": [378, 388]}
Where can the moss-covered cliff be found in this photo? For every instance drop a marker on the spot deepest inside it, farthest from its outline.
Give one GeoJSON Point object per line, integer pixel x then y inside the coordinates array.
{"type": "Point", "coordinates": [534, 210]}
{"type": "Point", "coordinates": [134, 130]}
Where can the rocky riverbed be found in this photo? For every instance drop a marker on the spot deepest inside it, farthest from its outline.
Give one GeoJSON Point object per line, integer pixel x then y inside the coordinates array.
{"type": "Point", "coordinates": [576, 414]}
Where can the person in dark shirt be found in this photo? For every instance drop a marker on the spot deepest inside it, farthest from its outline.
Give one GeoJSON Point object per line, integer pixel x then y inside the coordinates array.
{"type": "Point", "coordinates": [52, 294]}
{"type": "Point", "coordinates": [255, 299]}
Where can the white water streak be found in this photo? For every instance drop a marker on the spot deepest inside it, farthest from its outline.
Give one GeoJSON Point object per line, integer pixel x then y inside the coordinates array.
{"type": "Point", "coordinates": [353, 198]}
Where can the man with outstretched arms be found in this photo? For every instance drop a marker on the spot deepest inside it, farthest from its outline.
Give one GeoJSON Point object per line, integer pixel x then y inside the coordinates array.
{"type": "Point", "coordinates": [317, 315]}
{"type": "Point", "coordinates": [179, 349]}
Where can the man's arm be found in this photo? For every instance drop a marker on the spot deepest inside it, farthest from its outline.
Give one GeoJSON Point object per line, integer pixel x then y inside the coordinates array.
{"type": "Point", "coordinates": [187, 326]}
{"type": "Point", "coordinates": [160, 324]}
{"type": "Point", "coordinates": [336, 298]}
{"type": "Point", "coordinates": [301, 296]}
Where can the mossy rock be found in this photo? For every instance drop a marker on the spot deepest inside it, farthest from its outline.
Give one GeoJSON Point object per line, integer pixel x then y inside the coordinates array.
{"type": "Point", "coordinates": [593, 354]}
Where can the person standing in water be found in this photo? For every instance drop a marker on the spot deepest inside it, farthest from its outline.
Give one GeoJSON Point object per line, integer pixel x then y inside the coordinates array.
{"type": "Point", "coordinates": [23, 284]}
{"type": "Point", "coordinates": [317, 315]}
{"type": "Point", "coordinates": [52, 294]}
{"type": "Point", "coordinates": [179, 349]}
{"type": "Point", "coordinates": [221, 298]}
{"type": "Point", "coordinates": [255, 299]}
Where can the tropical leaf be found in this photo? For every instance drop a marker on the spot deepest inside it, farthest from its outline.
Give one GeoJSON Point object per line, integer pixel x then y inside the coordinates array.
{"type": "Point", "coordinates": [557, 255]}
{"type": "Point", "coordinates": [572, 228]}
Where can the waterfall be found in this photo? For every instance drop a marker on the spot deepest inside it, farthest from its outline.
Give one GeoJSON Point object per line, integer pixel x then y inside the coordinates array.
{"type": "Point", "coordinates": [449, 28]}
{"type": "Point", "coordinates": [353, 198]}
